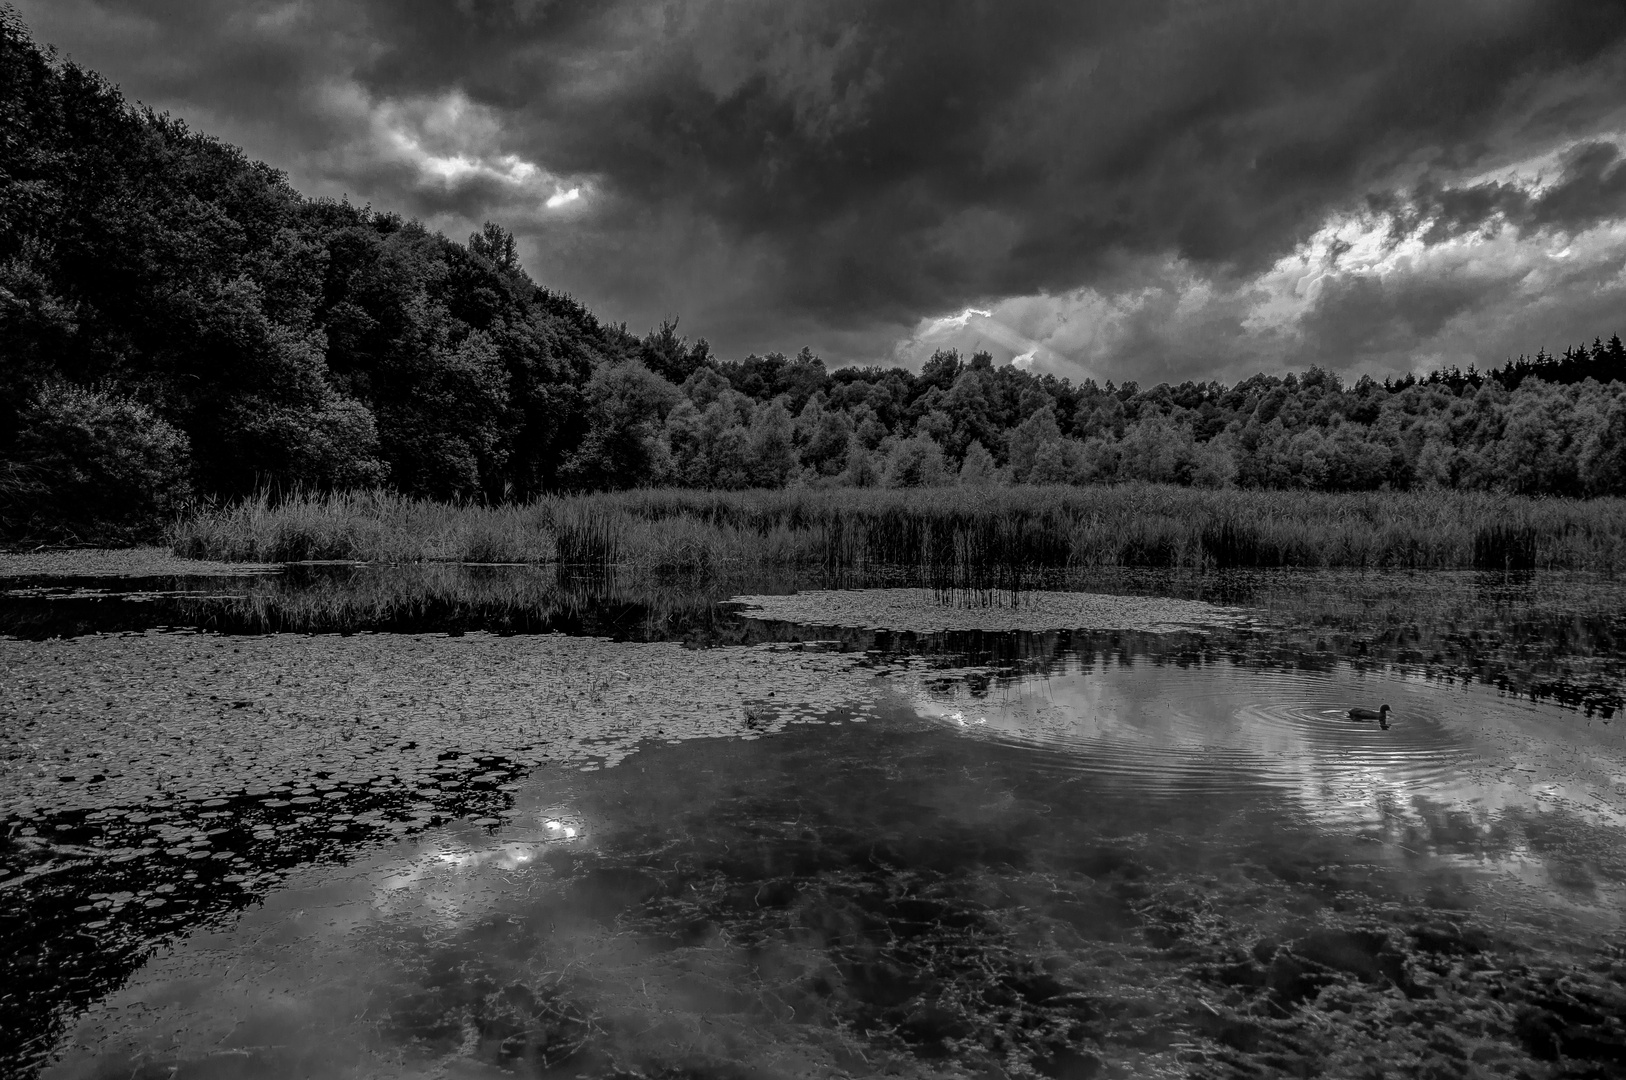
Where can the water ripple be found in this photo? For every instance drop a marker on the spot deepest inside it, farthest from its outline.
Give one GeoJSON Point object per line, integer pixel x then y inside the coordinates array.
{"type": "Point", "coordinates": [1158, 732]}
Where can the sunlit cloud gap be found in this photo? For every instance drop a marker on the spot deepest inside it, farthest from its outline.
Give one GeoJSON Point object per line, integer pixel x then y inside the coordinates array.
{"type": "Point", "coordinates": [977, 329]}
{"type": "Point", "coordinates": [961, 319]}
{"type": "Point", "coordinates": [451, 140]}
{"type": "Point", "coordinates": [563, 198]}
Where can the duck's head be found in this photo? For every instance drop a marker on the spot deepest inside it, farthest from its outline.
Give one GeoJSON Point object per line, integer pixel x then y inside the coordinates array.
{"type": "Point", "coordinates": [1384, 710]}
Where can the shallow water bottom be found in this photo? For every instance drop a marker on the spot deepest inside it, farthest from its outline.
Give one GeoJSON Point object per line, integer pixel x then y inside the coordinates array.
{"type": "Point", "coordinates": [1129, 870]}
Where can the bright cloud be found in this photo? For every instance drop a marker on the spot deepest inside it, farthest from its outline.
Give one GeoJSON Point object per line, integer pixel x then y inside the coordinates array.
{"type": "Point", "coordinates": [563, 198]}
{"type": "Point", "coordinates": [1392, 286]}
{"type": "Point", "coordinates": [974, 330]}
{"type": "Point", "coordinates": [449, 142]}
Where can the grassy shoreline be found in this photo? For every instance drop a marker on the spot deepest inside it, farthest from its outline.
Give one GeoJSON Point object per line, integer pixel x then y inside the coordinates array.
{"type": "Point", "coordinates": [960, 534]}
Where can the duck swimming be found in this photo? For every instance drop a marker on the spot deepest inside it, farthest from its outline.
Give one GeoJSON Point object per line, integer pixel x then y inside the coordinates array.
{"type": "Point", "coordinates": [1381, 716]}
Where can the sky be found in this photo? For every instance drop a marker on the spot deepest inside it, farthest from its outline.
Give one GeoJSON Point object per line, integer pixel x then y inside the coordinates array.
{"type": "Point", "coordinates": [1128, 190]}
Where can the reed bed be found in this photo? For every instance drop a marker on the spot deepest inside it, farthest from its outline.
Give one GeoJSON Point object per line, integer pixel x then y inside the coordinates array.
{"type": "Point", "coordinates": [950, 537]}
{"type": "Point", "coordinates": [366, 526]}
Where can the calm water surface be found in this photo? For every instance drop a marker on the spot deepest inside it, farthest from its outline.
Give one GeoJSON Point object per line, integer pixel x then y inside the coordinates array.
{"type": "Point", "coordinates": [1074, 854]}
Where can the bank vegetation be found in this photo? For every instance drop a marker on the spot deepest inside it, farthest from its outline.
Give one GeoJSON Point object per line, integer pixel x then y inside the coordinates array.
{"type": "Point", "coordinates": [960, 532]}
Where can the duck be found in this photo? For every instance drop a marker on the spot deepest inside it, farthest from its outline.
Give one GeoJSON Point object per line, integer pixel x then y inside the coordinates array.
{"type": "Point", "coordinates": [1381, 716]}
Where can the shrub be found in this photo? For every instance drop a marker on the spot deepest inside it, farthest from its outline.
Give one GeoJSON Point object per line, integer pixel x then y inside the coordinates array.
{"type": "Point", "coordinates": [90, 462]}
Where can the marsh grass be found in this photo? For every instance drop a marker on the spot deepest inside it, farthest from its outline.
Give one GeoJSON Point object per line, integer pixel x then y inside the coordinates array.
{"type": "Point", "coordinates": [951, 538]}
{"type": "Point", "coordinates": [367, 526]}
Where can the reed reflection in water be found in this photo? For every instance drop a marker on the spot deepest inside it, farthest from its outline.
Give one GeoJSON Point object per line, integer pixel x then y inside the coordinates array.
{"type": "Point", "coordinates": [1554, 636]}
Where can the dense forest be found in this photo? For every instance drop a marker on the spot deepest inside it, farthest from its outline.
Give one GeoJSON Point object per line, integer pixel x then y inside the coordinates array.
{"type": "Point", "coordinates": [177, 322]}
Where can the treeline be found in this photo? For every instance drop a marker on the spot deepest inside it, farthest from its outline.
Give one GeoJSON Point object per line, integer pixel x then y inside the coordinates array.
{"type": "Point", "coordinates": [1602, 362]}
{"type": "Point", "coordinates": [177, 321]}
{"type": "Point", "coordinates": [769, 421]}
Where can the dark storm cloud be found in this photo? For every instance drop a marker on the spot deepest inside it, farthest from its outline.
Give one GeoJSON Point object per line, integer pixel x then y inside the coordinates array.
{"type": "Point", "coordinates": [839, 170]}
{"type": "Point", "coordinates": [1590, 189]}
{"type": "Point", "coordinates": [1364, 316]}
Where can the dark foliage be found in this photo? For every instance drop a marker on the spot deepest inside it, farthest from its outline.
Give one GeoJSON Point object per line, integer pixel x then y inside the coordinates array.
{"type": "Point", "coordinates": [293, 342]}
{"type": "Point", "coordinates": [90, 462]}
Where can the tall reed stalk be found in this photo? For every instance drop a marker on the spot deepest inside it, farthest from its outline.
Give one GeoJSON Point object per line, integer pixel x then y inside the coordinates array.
{"type": "Point", "coordinates": [949, 538]}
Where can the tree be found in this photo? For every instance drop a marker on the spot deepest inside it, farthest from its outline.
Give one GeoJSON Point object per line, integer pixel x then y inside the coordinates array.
{"type": "Point", "coordinates": [967, 405]}
{"type": "Point", "coordinates": [628, 405]}
{"type": "Point", "coordinates": [772, 454]}
{"type": "Point", "coordinates": [446, 424]}
{"type": "Point", "coordinates": [331, 445]}
{"type": "Point", "coordinates": [862, 471]}
{"type": "Point", "coordinates": [941, 370]}
{"type": "Point", "coordinates": [978, 469]}
{"type": "Point", "coordinates": [1602, 459]}
{"type": "Point", "coordinates": [686, 445]}
{"type": "Point", "coordinates": [1029, 438]}
{"type": "Point", "coordinates": [672, 357]}
{"type": "Point", "coordinates": [1056, 461]}
{"type": "Point", "coordinates": [916, 462]}
{"type": "Point", "coordinates": [721, 455]}
{"type": "Point", "coordinates": [496, 244]}
{"type": "Point", "coordinates": [823, 435]}
{"type": "Point", "coordinates": [90, 460]}
{"type": "Point", "coordinates": [1158, 450]}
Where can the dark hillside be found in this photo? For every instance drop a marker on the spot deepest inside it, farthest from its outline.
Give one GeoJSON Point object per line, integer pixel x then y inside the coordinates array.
{"type": "Point", "coordinates": [270, 338]}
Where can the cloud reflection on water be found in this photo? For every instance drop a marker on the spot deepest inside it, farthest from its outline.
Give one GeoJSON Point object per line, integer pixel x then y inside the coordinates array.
{"type": "Point", "coordinates": [649, 930]}
{"type": "Point", "coordinates": [1221, 723]}
{"type": "Point", "coordinates": [1457, 774]}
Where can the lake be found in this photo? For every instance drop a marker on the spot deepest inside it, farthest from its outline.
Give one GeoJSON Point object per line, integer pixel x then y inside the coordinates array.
{"type": "Point", "coordinates": [343, 821]}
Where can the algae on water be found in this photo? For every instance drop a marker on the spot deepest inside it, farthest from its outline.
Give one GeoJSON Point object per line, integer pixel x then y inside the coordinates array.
{"type": "Point", "coordinates": [929, 611]}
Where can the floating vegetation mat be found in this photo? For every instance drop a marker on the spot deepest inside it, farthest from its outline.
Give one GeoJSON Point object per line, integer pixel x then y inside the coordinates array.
{"type": "Point", "coordinates": [120, 562]}
{"type": "Point", "coordinates": [926, 611]}
{"type": "Point", "coordinates": [120, 720]}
